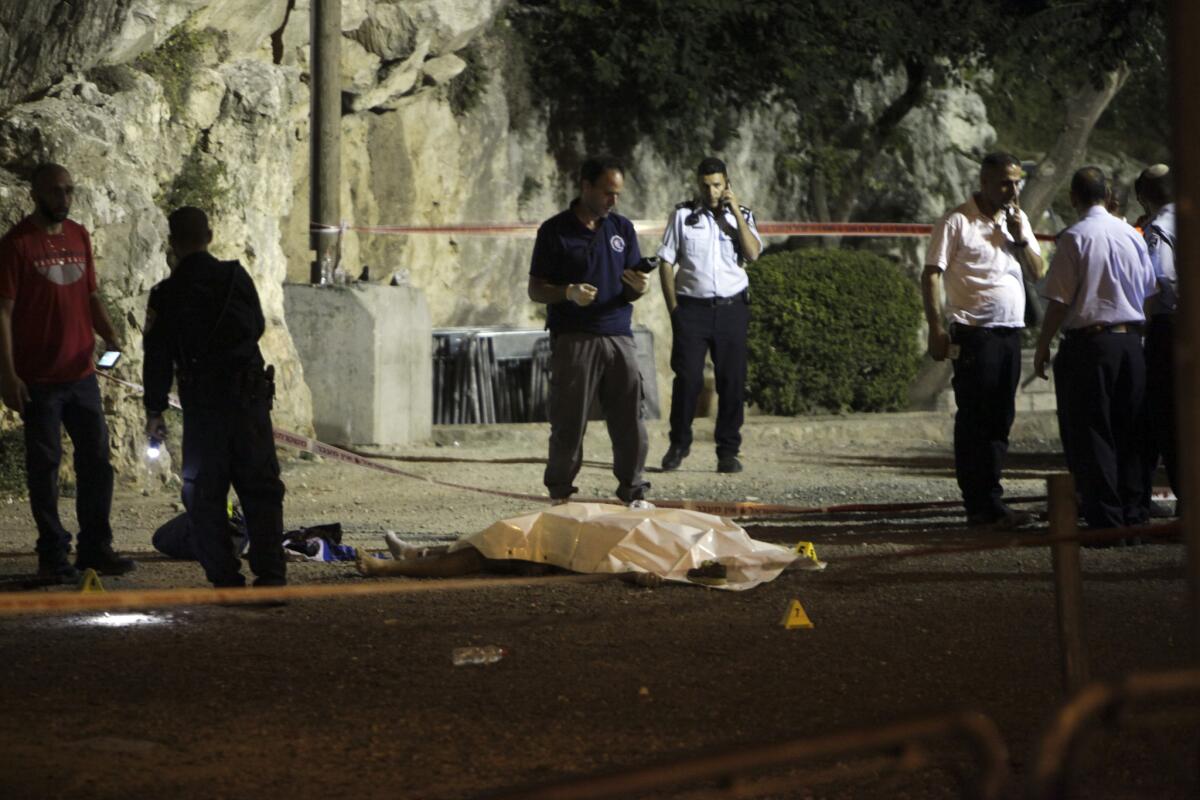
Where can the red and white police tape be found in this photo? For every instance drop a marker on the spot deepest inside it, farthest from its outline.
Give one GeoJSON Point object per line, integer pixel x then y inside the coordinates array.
{"type": "Point", "coordinates": [647, 228]}
{"type": "Point", "coordinates": [741, 510]}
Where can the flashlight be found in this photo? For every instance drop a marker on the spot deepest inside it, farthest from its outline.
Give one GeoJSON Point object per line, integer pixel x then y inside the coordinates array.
{"type": "Point", "coordinates": [154, 448]}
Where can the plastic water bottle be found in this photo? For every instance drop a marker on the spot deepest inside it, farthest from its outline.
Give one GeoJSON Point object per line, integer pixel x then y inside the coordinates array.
{"type": "Point", "coordinates": [462, 656]}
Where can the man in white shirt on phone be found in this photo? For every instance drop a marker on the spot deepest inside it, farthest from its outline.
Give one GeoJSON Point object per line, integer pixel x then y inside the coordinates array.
{"type": "Point", "coordinates": [981, 253]}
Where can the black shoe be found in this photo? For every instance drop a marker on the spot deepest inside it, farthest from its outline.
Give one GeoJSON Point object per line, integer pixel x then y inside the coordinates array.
{"type": "Point", "coordinates": [1004, 520]}
{"type": "Point", "coordinates": [58, 570]}
{"type": "Point", "coordinates": [729, 464]}
{"type": "Point", "coordinates": [709, 573]}
{"type": "Point", "coordinates": [674, 457]}
{"type": "Point", "coordinates": [104, 561]}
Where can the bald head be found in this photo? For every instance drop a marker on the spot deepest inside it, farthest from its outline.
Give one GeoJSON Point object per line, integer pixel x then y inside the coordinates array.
{"type": "Point", "coordinates": [1089, 187]}
{"type": "Point", "coordinates": [52, 190]}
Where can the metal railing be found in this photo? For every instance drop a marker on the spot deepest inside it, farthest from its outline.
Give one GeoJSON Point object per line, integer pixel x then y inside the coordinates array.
{"type": "Point", "coordinates": [898, 747]}
{"type": "Point", "coordinates": [1140, 697]}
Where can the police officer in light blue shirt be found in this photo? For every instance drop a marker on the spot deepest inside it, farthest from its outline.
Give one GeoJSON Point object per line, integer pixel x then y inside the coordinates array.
{"type": "Point", "coordinates": [1097, 286]}
{"type": "Point", "coordinates": [1155, 193]}
{"type": "Point", "coordinates": [710, 239]}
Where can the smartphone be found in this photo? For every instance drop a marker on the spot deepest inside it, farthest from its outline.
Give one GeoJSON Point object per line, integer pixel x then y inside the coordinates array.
{"type": "Point", "coordinates": [646, 265]}
{"type": "Point", "coordinates": [108, 359]}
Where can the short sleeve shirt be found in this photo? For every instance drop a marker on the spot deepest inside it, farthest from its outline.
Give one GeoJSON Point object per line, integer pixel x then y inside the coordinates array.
{"type": "Point", "coordinates": [982, 277]}
{"type": "Point", "coordinates": [1160, 242]}
{"type": "Point", "coordinates": [50, 279]}
{"type": "Point", "coordinates": [706, 252]}
{"type": "Point", "coordinates": [566, 252]}
{"type": "Point", "coordinates": [1102, 271]}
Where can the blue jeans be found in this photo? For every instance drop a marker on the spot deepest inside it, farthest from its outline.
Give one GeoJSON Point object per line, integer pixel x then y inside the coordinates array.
{"type": "Point", "coordinates": [75, 406]}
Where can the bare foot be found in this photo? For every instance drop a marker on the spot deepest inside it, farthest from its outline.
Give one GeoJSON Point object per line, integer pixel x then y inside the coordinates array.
{"type": "Point", "coordinates": [399, 550]}
{"type": "Point", "coordinates": [365, 562]}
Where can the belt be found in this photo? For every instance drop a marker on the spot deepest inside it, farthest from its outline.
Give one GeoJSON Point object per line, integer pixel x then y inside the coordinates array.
{"type": "Point", "coordinates": [1092, 330]}
{"type": "Point", "coordinates": [686, 300]}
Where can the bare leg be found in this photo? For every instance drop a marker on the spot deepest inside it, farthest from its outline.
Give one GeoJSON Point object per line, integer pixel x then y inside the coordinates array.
{"type": "Point", "coordinates": [439, 565]}
{"type": "Point", "coordinates": [402, 552]}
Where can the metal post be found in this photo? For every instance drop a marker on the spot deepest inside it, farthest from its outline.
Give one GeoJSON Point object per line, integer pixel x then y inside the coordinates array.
{"type": "Point", "coordinates": [1184, 27]}
{"type": "Point", "coordinates": [325, 45]}
{"type": "Point", "coordinates": [1068, 582]}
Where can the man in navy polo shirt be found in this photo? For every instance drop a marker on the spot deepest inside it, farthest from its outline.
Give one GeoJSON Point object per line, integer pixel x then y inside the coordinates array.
{"type": "Point", "coordinates": [583, 270]}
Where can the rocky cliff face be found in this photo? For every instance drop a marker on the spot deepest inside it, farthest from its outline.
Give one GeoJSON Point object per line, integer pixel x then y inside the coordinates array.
{"type": "Point", "coordinates": [151, 102]}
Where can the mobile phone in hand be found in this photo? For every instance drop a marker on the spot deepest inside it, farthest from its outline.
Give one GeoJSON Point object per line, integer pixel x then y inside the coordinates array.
{"type": "Point", "coordinates": [108, 359]}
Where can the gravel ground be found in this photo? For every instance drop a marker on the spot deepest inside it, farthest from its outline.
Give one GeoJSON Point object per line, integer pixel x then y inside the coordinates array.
{"type": "Point", "coordinates": [356, 697]}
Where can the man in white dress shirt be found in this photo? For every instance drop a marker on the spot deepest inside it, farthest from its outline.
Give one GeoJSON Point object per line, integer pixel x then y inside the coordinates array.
{"type": "Point", "coordinates": [981, 252]}
{"type": "Point", "coordinates": [705, 247]}
{"type": "Point", "coordinates": [1098, 283]}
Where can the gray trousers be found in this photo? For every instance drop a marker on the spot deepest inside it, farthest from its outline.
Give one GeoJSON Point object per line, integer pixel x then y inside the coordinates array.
{"type": "Point", "coordinates": [584, 366]}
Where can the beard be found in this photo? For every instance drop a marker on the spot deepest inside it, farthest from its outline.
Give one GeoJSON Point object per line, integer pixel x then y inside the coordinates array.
{"type": "Point", "coordinates": [52, 214]}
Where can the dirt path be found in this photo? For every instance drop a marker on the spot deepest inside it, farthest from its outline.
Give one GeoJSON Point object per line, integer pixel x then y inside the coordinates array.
{"type": "Point", "coordinates": [357, 697]}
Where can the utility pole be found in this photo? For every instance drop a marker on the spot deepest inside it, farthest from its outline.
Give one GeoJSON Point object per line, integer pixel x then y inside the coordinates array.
{"type": "Point", "coordinates": [325, 132]}
{"type": "Point", "coordinates": [1184, 27]}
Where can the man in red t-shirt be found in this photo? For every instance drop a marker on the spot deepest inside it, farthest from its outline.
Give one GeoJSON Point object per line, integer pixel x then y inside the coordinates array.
{"type": "Point", "coordinates": [49, 309]}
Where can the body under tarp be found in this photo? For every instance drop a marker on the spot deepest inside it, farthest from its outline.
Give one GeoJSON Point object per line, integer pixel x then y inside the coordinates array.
{"type": "Point", "coordinates": [600, 538]}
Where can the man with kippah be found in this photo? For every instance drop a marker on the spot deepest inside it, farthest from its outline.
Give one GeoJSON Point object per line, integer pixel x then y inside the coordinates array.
{"type": "Point", "coordinates": [711, 239]}
{"type": "Point", "coordinates": [1155, 193]}
{"type": "Point", "coordinates": [982, 252]}
{"type": "Point", "coordinates": [50, 311]}
{"type": "Point", "coordinates": [203, 324]}
{"type": "Point", "coordinates": [1097, 286]}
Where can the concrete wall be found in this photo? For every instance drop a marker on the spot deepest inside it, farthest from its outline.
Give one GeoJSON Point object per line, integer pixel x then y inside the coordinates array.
{"type": "Point", "coordinates": [366, 350]}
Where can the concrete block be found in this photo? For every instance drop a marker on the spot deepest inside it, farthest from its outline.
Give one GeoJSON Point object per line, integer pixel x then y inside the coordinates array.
{"type": "Point", "coordinates": [366, 350]}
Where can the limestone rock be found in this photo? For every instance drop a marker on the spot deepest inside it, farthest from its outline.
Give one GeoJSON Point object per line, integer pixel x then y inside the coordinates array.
{"type": "Point", "coordinates": [443, 69]}
{"type": "Point", "coordinates": [399, 80]}
{"type": "Point", "coordinates": [392, 27]}
{"type": "Point", "coordinates": [247, 23]}
{"type": "Point", "coordinates": [202, 103]}
{"type": "Point", "coordinates": [360, 68]}
{"type": "Point", "coordinates": [42, 41]}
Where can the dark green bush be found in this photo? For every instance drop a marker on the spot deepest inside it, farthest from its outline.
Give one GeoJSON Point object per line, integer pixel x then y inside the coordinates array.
{"type": "Point", "coordinates": [831, 330]}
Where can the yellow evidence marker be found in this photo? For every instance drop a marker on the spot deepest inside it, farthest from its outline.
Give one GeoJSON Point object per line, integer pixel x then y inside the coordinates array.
{"type": "Point", "coordinates": [808, 553]}
{"type": "Point", "coordinates": [91, 582]}
{"type": "Point", "coordinates": [795, 617]}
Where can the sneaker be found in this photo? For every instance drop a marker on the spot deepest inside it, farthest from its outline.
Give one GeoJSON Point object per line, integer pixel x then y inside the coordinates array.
{"type": "Point", "coordinates": [674, 457]}
{"type": "Point", "coordinates": [559, 501]}
{"type": "Point", "coordinates": [58, 570]}
{"type": "Point", "coordinates": [641, 504]}
{"type": "Point", "coordinates": [729, 464]}
{"type": "Point", "coordinates": [104, 561]}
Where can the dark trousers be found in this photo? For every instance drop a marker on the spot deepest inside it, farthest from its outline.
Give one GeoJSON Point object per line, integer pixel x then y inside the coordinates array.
{"type": "Point", "coordinates": [1100, 384]}
{"type": "Point", "coordinates": [76, 407]}
{"type": "Point", "coordinates": [697, 330]}
{"type": "Point", "coordinates": [1160, 401]}
{"type": "Point", "coordinates": [986, 374]}
{"type": "Point", "coordinates": [233, 445]}
{"type": "Point", "coordinates": [176, 538]}
{"type": "Point", "coordinates": [584, 366]}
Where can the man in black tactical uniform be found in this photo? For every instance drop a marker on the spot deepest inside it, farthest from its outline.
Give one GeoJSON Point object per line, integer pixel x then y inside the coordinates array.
{"type": "Point", "coordinates": [205, 321]}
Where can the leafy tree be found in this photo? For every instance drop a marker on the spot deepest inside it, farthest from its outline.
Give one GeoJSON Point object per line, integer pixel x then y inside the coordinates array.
{"type": "Point", "coordinates": [615, 72]}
